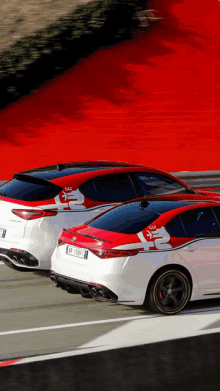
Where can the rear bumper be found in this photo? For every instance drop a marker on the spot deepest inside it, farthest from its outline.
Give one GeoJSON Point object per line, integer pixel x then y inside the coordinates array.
{"type": "Point", "coordinates": [18, 258]}
{"type": "Point", "coordinates": [71, 285]}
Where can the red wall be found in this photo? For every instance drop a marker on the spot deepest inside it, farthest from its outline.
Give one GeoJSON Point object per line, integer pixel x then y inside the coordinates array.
{"type": "Point", "coordinates": [153, 100]}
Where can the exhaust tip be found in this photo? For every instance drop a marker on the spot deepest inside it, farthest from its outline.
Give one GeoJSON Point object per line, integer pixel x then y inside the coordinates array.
{"type": "Point", "coordinates": [54, 280]}
{"type": "Point", "coordinates": [94, 291]}
{"type": "Point", "coordinates": [24, 261]}
{"type": "Point", "coordinates": [15, 258]}
{"type": "Point", "coordinates": [103, 294]}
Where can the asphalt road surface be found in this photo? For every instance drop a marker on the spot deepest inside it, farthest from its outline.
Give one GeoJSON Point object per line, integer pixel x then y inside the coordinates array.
{"type": "Point", "coordinates": [37, 318]}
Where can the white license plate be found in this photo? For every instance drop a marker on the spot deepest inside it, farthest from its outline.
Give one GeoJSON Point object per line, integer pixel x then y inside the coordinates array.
{"type": "Point", "coordinates": [77, 252]}
{"type": "Point", "coordinates": [2, 232]}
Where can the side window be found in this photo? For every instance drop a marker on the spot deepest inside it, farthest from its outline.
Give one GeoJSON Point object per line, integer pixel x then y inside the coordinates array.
{"type": "Point", "coordinates": [175, 228]}
{"type": "Point", "coordinates": [153, 184]}
{"type": "Point", "coordinates": [216, 211]}
{"type": "Point", "coordinates": [200, 222]}
{"type": "Point", "coordinates": [88, 190]}
{"type": "Point", "coordinates": [110, 188]}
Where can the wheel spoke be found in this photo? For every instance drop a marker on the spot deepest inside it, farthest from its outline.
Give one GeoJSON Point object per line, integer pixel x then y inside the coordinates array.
{"type": "Point", "coordinates": [179, 289]}
{"type": "Point", "coordinates": [174, 299]}
{"type": "Point", "coordinates": [172, 279]}
{"type": "Point", "coordinates": [164, 300]}
{"type": "Point", "coordinates": [162, 287]}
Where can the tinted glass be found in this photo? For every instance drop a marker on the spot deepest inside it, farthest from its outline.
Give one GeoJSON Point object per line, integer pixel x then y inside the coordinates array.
{"type": "Point", "coordinates": [200, 222]}
{"type": "Point", "coordinates": [175, 228]}
{"type": "Point", "coordinates": [153, 184]}
{"type": "Point", "coordinates": [115, 188]}
{"type": "Point", "coordinates": [55, 173]}
{"type": "Point", "coordinates": [217, 213]}
{"type": "Point", "coordinates": [133, 217]}
{"type": "Point", "coordinates": [28, 191]}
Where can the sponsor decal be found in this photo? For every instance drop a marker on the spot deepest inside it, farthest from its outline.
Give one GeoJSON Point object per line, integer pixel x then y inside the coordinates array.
{"type": "Point", "coordinates": [68, 195]}
{"type": "Point", "coordinates": [157, 238]}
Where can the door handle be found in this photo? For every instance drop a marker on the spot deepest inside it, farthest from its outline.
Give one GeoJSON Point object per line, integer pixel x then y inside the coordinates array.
{"type": "Point", "coordinates": [189, 249]}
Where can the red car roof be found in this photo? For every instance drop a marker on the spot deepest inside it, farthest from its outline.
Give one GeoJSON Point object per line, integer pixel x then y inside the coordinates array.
{"type": "Point", "coordinates": [79, 178]}
{"type": "Point", "coordinates": [76, 172]}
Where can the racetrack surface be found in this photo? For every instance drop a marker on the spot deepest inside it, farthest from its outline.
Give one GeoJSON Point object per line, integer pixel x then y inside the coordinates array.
{"type": "Point", "coordinates": [38, 319]}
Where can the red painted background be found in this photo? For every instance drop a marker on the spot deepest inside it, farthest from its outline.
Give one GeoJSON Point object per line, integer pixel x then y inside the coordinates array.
{"type": "Point", "coordinates": [154, 100]}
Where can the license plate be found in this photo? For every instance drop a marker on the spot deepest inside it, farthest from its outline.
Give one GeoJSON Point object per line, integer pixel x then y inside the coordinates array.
{"type": "Point", "coordinates": [77, 252]}
{"type": "Point", "coordinates": [2, 232]}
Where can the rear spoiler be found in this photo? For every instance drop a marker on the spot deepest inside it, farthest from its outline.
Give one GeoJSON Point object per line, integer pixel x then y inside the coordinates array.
{"type": "Point", "coordinates": [33, 179]}
{"type": "Point", "coordinates": [87, 236]}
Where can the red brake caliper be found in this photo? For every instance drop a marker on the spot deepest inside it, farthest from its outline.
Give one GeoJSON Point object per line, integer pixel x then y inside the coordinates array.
{"type": "Point", "coordinates": [159, 294]}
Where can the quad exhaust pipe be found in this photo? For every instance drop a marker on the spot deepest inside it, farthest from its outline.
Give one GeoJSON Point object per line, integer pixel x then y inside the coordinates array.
{"type": "Point", "coordinates": [94, 291]}
{"type": "Point", "coordinates": [21, 261]}
{"type": "Point", "coordinates": [100, 293]}
{"type": "Point", "coordinates": [85, 292]}
{"type": "Point", "coordinates": [103, 295]}
{"type": "Point", "coordinates": [54, 281]}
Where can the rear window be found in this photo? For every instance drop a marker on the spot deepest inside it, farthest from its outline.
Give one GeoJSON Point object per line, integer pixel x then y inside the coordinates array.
{"type": "Point", "coordinates": [133, 217]}
{"type": "Point", "coordinates": [126, 219]}
{"type": "Point", "coordinates": [28, 190]}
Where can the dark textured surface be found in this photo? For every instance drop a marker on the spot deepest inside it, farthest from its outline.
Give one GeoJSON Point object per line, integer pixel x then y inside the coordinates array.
{"type": "Point", "coordinates": [37, 58]}
{"type": "Point", "coordinates": [186, 364]}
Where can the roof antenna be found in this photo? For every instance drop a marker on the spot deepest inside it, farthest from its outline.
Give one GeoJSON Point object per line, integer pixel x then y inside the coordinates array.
{"type": "Point", "coordinates": [144, 204]}
{"type": "Point", "coordinates": [60, 167]}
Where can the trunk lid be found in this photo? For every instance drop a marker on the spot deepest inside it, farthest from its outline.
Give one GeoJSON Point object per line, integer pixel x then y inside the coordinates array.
{"type": "Point", "coordinates": [89, 237]}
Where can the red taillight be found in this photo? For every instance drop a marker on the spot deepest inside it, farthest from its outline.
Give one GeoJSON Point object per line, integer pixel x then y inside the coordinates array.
{"type": "Point", "coordinates": [107, 253]}
{"type": "Point", "coordinates": [60, 242]}
{"type": "Point", "coordinates": [29, 214]}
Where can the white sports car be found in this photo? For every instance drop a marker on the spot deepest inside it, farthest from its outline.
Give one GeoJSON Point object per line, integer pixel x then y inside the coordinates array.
{"type": "Point", "coordinates": [35, 205]}
{"type": "Point", "coordinates": [159, 253]}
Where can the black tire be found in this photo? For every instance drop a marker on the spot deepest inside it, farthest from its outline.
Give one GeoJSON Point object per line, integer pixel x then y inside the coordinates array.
{"type": "Point", "coordinates": [169, 292]}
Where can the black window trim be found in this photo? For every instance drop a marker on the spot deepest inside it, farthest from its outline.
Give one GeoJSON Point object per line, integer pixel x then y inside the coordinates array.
{"type": "Point", "coordinates": [133, 185]}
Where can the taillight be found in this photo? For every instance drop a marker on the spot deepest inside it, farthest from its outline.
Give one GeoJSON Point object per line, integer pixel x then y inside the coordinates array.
{"type": "Point", "coordinates": [29, 214]}
{"type": "Point", "coordinates": [106, 253]}
{"type": "Point", "coordinates": [60, 242]}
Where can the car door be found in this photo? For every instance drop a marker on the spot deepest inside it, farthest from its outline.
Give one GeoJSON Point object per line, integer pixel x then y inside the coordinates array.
{"type": "Point", "coordinates": [149, 184]}
{"type": "Point", "coordinates": [108, 190]}
{"type": "Point", "coordinates": [203, 252]}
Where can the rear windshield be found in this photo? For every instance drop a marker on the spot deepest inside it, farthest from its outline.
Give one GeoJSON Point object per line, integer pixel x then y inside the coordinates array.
{"type": "Point", "coordinates": [133, 217]}
{"type": "Point", "coordinates": [28, 190]}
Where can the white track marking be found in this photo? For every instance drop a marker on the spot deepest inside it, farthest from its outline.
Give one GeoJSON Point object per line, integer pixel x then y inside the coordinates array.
{"type": "Point", "coordinates": [64, 326]}
{"type": "Point", "coordinates": [69, 325]}
{"type": "Point", "coordinates": [95, 349]}
{"type": "Point", "coordinates": [1, 263]}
